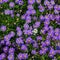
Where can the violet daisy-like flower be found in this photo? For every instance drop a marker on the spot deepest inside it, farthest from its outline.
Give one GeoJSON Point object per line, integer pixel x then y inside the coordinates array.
{"type": "Point", "coordinates": [47, 42]}
{"type": "Point", "coordinates": [5, 0]}
{"type": "Point", "coordinates": [33, 52]}
{"type": "Point", "coordinates": [22, 56]}
{"type": "Point", "coordinates": [29, 40]}
{"type": "Point", "coordinates": [3, 28]}
{"type": "Point", "coordinates": [26, 26]}
{"type": "Point", "coordinates": [38, 1]}
{"type": "Point", "coordinates": [19, 41]}
{"type": "Point", "coordinates": [5, 49]}
{"type": "Point", "coordinates": [31, 1]}
{"type": "Point", "coordinates": [11, 50]}
{"type": "Point", "coordinates": [41, 8]}
{"type": "Point", "coordinates": [52, 53]}
{"type": "Point", "coordinates": [2, 56]}
{"type": "Point", "coordinates": [30, 7]}
{"type": "Point", "coordinates": [10, 57]}
{"type": "Point", "coordinates": [7, 12]}
{"type": "Point", "coordinates": [11, 4]}
{"type": "Point", "coordinates": [24, 47]}
{"type": "Point", "coordinates": [46, 2]}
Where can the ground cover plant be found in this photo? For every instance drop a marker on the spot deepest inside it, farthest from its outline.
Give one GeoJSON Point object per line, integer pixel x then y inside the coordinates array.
{"type": "Point", "coordinates": [29, 29]}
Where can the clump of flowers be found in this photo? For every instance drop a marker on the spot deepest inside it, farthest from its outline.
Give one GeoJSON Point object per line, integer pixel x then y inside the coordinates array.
{"type": "Point", "coordinates": [29, 30]}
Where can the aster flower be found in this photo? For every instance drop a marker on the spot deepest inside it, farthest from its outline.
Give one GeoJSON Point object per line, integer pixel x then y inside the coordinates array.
{"type": "Point", "coordinates": [3, 28]}
{"type": "Point", "coordinates": [24, 47]}
{"type": "Point", "coordinates": [11, 50]}
{"type": "Point", "coordinates": [19, 33]}
{"type": "Point", "coordinates": [19, 41]}
{"type": "Point", "coordinates": [27, 32]}
{"type": "Point", "coordinates": [11, 4]}
{"type": "Point", "coordinates": [2, 56]}
{"type": "Point", "coordinates": [7, 37]}
{"type": "Point", "coordinates": [46, 2]}
{"type": "Point", "coordinates": [12, 34]}
{"type": "Point", "coordinates": [39, 38]}
{"type": "Point", "coordinates": [2, 42]}
{"type": "Point", "coordinates": [33, 52]}
{"type": "Point", "coordinates": [52, 2]}
{"type": "Point", "coordinates": [30, 7]}
{"type": "Point", "coordinates": [38, 1]}
{"type": "Point", "coordinates": [7, 12]}
{"type": "Point", "coordinates": [17, 14]}
{"type": "Point", "coordinates": [29, 40]}
{"type": "Point", "coordinates": [26, 26]}
{"type": "Point", "coordinates": [22, 56]}
{"type": "Point", "coordinates": [47, 42]}
{"type": "Point", "coordinates": [42, 52]}
{"type": "Point", "coordinates": [5, 49]}
{"type": "Point", "coordinates": [31, 1]}
{"type": "Point", "coordinates": [33, 12]}
{"type": "Point", "coordinates": [52, 53]}
{"type": "Point", "coordinates": [41, 8]}
{"type": "Point", "coordinates": [37, 24]}
{"type": "Point", "coordinates": [5, 0]}
{"type": "Point", "coordinates": [35, 45]}
{"type": "Point", "coordinates": [10, 57]}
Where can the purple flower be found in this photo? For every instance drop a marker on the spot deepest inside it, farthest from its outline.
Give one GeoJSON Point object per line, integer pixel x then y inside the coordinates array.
{"type": "Point", "coordinates": [7, 37]}
{"type": "Point", "coordinates": [7, 12]}
{"type": "Point", "coordinates": [33, 12]}
{"type": "Point", "coordinates": [47, 42]}
{"type": "Point", "coordinates": [17, 14]}
{"type": "Point", "coordinates": [20, 2]}
{"type": "Point", "coordinates": [28, 17]}
{"type": "Point", "coordinates": [39, 38]}
{"type": "Point", "coordinates": [41, 52]}
{"type": "Point", "coordinates": [19, 41]}
{"type": "Point", "coordinates": [5, 49]}
{"type": "Point", "coordinates": [2, 56]}
{"type": "Point", "coordinates": [22, 56]}
{"type": "Point", "coordinates": [38, 1]}
{"type": "Point", "coordinates": [46, 2]}
{"type": "Point", "coordinates": [19, 33]}
{"type": "Point", "coordinates": [33, 52]}
{"type": "Point", "coordinates": [43, 44]}
{"type": "Point", "coordinates": [11, 50]}
{"type": "Point", "coordinates": [29, 40]}
{"type": "Point", "coordinates": [41, 8]}
{"type": "Point", "coordinates": [41, 17]}
{"type": "Point", "coordinates": [52, 53]}
{"type": "Point", "coordinates": [27, 32]}
{"type": "Point", "coordinates": [50, 6]}
{"type": "Point", "coordinates": [26, 26]}
{"type": "Point", "coordinates": [2, 42]}
{"type": "Point", "coordinates": [30, 7]}
{"type": "Point", "coordinates": [31, 1]}
{"type": "Point", "coordinates": [3, 28]}
{"type": "Point", "coordinates": [37, 24]}
{"type": "Point", "coordinates": [52, 2]}
{"type": "Point", "coordinates": [35, 45]}
{"type": "Point", "coordinates": [24, 47]}
{"type": "Point", "coordinates": [10, 57]}
{"type": "Point", "coordinates": [8, 43]}
{"type": "Point", "coordinates": [12, 34]}
{"type": "Point", "coordinates": [56, 11]}
{"type": "Point", "coordinates": [5, 0]}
